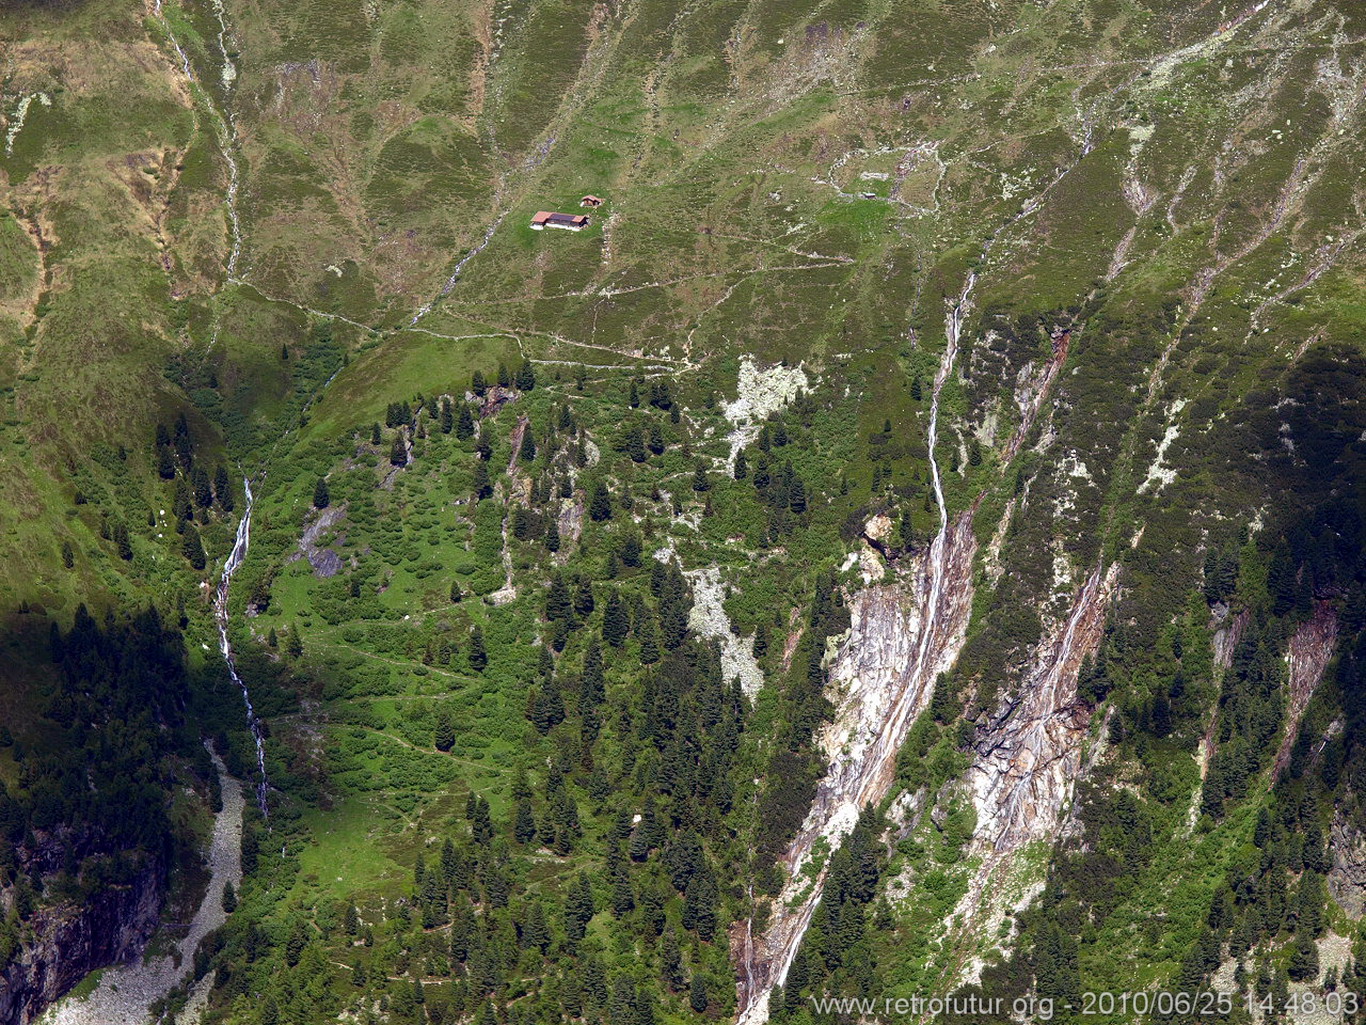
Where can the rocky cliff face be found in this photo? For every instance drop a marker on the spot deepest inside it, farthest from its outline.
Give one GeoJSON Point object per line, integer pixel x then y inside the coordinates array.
{"type": "Point", "coordinates": [1031, 755]}
{"type": "Point", "coordinates": [1307, 656]}
{"type": "Point", "coordinates": [902, 636]}
{"type": "Point", "coordinates": [71, 941]}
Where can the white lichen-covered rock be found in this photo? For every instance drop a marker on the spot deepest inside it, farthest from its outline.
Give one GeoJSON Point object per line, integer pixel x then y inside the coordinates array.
{"type": "Point", "coordinates": [879, 528]}
{"type": "Point", "coordinates": [761, 392]}
{"type": "Point", "coordinates": [708, 617]}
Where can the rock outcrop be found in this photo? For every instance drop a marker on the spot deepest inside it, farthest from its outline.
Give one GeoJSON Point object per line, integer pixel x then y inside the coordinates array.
{"type": "Point", "coordinates": [1307, 657]}
{"type": "Point", "coordinates": [1029, 757]}
{"type": "Point", "coordinates": [71, 941]}
{"type": "Point", "coordinates": [1347, 877]}
{"type": "Point", "coordinates": [902, 636]}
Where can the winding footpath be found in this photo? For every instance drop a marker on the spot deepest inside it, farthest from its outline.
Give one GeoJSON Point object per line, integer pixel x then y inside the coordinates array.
{"type": "Point", "coordinates": [126, 992]}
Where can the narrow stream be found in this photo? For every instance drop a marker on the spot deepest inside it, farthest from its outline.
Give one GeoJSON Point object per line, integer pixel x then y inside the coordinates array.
{"type": "Point", "coordinates": [220, 607]}
{"type": "Point", "coordinates": [225, 126]}
{"type": "Point", "coordinates": [479, 247]}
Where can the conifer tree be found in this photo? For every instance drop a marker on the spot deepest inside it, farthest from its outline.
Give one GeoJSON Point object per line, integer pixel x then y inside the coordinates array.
{"type": "Point", "coordinates": [671, 958]}
{"type": "Point", "coordinates": [579, 907]}
{"type": "Point", "coordinates": [125, 545]}
{"type": "Point", "coordinates": [524, 819]}
{"type": "Point", "coordinates": [447, 416]}
{"type": "Point", "coordinates": [478, 385]}
{"type": "Point", "coordinates": [760, 641]}
{"type": "Point", "coordinates": [526, 376]}
{"type": "Point", "coordinates": [184, 446]}
{"type": "Point", "coordinates": [1304, 959]}
{"type": "Point", "coordinates": [203, 488]}
{"type": "Point", "coordinates": [741, 470]}
{"type": "Point", "coordinates": [600, 504]}
{"type": "Point", "coordinates": [623, 896]}
{"type": "Point", "coordinates": [649, 643]}
{"type": "Point", "coordinates": [222, 488]}
{"type": "Point", "coordinates": [697, 993]}
{"type": "Point", "coordinates": [482, 487]}
{"type": "Point", "coordinates": [464, 424]}
{"type": "Point", "coordinates": [615, 622]}
{"type": "Point", "coordinates": [478, 656]}
{"type": "Point", "coordinates": [443, 736]}
{"type": "Point", "coordinates": [584, 602]}
{"type": "Point", "coordinates": [699, 906]}
{"type": "Point", "coordinates": [504, 376]}
{"type": "Point", "coordinates": [527, 452]}
{"type": "Point", "coordinates": [322, 497]}
{"type": "Point", "coordinates": [523, 522]}
{"type": "Point", "coordinates": [545, 706]}
{"type": "Point", "coordinates": [593, 685]}
{"type": "Point", "coordinates": [633, 396]}
{"type": "Point", "coordinates": [192, 547]}
{"type": "Point", "coordinates": [552, 534]}
{"type": "Point", "coordinates": [375, 436]}
{"type": "Point", "coordinates": [557, 601]}
{"type": "Point", "coordinates": [633, 444]}
{"type": "Point", "coordinates": [398, 452]}
{"type": "Point", "coordinates": [700, 481]}
{"type": "Point", "coordinates": [536, 933]}
{"type": "Point", "coordinates": [906, 529]}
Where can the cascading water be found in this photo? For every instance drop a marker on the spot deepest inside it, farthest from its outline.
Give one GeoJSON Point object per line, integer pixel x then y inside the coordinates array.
{"type": "Point", "coordinates": [224, 121]}
{"type": "Point", "coordinates": [899, 643]}
{"type": "Point", "coordinates": [447, 288]}
{"type": "Point", "coordinates": [220, 605]}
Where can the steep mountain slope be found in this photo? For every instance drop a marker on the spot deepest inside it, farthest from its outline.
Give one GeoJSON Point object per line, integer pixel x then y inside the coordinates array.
{"type": "Point", "coordinates": [909, 543]}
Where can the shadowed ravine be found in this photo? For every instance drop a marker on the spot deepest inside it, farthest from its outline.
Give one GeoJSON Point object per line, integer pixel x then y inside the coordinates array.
{"type": "Point", "coordinates": [126, 992]}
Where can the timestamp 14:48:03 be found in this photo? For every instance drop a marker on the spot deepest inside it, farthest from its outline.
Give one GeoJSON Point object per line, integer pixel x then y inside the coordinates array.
{"type": "Point", "coordinates": [1210, 1003]}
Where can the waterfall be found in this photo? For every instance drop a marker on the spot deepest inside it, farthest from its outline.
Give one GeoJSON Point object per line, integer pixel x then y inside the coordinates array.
{"type": "Point", "coordinates": [235, 558]}
{"type": "Point", "coordinates": [902, 637]}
